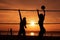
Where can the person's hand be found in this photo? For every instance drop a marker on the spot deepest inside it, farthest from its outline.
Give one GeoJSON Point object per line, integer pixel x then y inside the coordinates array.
{"type": "Point", "coordinates": [18, 10]}
{"type": "Point", "coordinates": [25, 27]}
{"type": "Point", "coordinates": [37, 10]}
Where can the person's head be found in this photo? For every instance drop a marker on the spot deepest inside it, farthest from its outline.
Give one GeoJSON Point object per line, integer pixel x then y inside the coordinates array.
{"type": "Point", "coordinates": [24, 19]}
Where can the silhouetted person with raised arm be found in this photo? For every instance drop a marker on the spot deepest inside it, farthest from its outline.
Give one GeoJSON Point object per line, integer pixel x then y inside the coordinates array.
{"type": "Point", "coordinates": [22, 25]}
{"type": "Point", "coordinates": [40, 22]}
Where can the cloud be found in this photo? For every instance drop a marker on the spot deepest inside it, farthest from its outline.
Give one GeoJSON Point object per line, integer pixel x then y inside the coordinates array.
{"type": "Point", "coordinates": [53, 4]}
{"type": "Point", "coordinates": [29, 4]}
{"type": "Point", "coordinates": [21, 3]}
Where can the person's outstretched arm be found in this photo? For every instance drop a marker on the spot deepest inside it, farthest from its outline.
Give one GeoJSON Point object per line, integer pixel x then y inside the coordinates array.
{"type": "Point", "coordinates": [38, 12]}
{"type": "Point", "coordinates": [20, 15]}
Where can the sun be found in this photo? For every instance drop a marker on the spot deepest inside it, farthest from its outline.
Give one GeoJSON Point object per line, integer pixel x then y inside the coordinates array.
{"type": "Point", "coordinates": [32, 33]}
{"type": "Point", "coordinates": [32, 23]}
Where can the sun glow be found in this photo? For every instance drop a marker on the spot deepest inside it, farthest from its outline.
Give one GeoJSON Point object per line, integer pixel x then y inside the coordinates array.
{"type": "Point", "coordinates": [32, 23]}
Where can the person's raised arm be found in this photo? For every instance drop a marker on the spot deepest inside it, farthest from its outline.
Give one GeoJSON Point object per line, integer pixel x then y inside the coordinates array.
{"type": "Point", "coordinates": [38, 12]}
{"type": "Point", "coordinates": [20, 15]}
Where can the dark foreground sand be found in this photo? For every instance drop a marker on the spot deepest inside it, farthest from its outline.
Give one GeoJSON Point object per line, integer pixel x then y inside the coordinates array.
{"type": "Point", "coordinates": [4, 37]}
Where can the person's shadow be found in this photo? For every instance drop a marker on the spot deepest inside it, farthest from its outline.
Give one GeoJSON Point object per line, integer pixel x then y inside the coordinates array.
{"type": "Point", "coordinates": [40, 22]}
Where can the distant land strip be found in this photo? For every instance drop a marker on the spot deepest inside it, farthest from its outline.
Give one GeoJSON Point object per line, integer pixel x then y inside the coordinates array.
{"type": "Point", "coordinates": [31, 31]}
{"type": "Point", "coordinates": [29, 23]}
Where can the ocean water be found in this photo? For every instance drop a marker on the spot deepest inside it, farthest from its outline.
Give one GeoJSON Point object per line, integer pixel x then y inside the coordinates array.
{"type": "Point", "coordinates": [49, 33]}
{"type": "Point", "coordinates": [51, 30]}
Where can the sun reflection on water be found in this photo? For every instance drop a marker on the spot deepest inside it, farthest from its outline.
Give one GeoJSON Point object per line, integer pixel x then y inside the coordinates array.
{"type": "Point", "coordinates": [32, 33]}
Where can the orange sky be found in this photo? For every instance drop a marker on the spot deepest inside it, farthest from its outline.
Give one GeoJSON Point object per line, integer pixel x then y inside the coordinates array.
{"type": "Point", "coordinates": [13, 17]}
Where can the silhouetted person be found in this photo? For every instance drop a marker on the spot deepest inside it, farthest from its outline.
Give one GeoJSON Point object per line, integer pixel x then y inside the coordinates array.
{"type": "Point", "coordinates": [22, 25]}
{"type": "Point", "coordinates": [40, 22]}
{"type": "Point", "coordinates": [11, 31]}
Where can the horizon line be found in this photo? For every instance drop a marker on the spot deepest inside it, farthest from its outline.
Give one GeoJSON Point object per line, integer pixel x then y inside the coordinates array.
{"type": "Point", "coordinates": [29, 23]}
